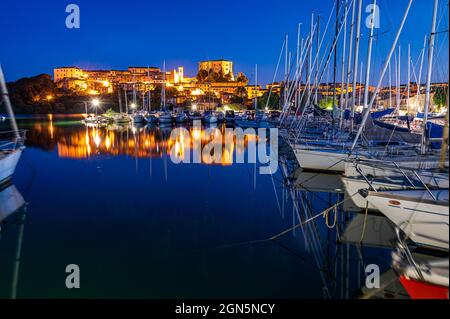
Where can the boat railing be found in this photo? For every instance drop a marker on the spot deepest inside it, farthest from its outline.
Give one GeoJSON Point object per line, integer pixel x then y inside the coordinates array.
{"type": "Point", "coordinates": [396, 167]}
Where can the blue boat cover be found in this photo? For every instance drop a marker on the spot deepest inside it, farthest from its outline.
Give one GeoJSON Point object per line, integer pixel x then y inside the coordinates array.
{"type": "Point", "coordinates": [434, 130]}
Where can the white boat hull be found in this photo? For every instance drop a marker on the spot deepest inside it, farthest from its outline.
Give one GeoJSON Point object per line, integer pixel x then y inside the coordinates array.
{"type": "Point", "coordinates": [422, 219]}
{"type": "Point", "coordinates": [320, 160]}
{"type": "Point", "coordinates": [353, 185]}
{"type": "Point", "coordinates": [8, 163]}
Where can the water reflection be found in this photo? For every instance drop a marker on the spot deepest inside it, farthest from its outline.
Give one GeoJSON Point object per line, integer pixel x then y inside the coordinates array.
{"type": "Point", "coordinates": [12, 214]}
{"type": "Point", "coordinates": [82, 142]}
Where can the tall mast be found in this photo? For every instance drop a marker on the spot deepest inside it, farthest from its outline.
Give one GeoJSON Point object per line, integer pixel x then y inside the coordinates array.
{"type": "Point", "coordinates": [126, 99]}
{"type": "Point", "coordinates": [256, 87]}
{"type": "Point", "coordinates": [399, 77]}
{"type": "Point", "coordinates": [120, 99]}
{"type": "Point", "coordinates": [163, 88]}
{"type": "Point", "coordinates": [310, 53]}
{"type": "Point", "coordinates": [369, 59]}
{"type": "Point", "coordinates": [444, 144]}
{"type": "Point", "coordinates": [297, 63]}
{"type": "Point", "coordinates": [9, 109]}
{"type": "Point", "coordinates": [350, 52]}
{"type": "Point", "coordinates": [390, 86]}
{"type": "Point", "coordinates": [335, 60]}
{"type": "Point", "coordinates": [430, 66]}
{"type": "Point", "coordinates": [356, 62]}
{"type": "Point", "coordinates": [409, 79]}
{"type": "Point", "coordinates": [421, 66]}
{"type": "Point", "coordinates": [148, 93]}
{"type": "Point", "coordinates": [380, 80]}
{"type": "Point", "coordinates": [286, 75]}
{"type": "Point", "coordinates": [344, 44]}
{"type": "Point", "coordinates": [316, 94]}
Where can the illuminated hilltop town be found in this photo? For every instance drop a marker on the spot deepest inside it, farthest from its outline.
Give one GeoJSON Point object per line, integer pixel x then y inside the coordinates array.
{"type": "Point", "coordinates": [215, 80]}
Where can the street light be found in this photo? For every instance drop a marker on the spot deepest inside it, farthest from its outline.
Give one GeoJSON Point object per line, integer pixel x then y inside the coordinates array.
{"type": "Point", "coordinates": [95, 104]}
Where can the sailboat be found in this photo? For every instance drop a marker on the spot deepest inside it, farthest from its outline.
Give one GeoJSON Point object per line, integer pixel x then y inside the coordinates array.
{"type": "Point", "coordinates": [421, 214]}
{"type": "Point", "coordinates": [251, 121]}
{"type": "Point", "coordinates": [12, 143]}
{"type": "Point", "coordinates": [150, 116]}
{"type": "Point", "coordinates": [164, 117]}
{"type": "Point", "coordinates": [210, 117]}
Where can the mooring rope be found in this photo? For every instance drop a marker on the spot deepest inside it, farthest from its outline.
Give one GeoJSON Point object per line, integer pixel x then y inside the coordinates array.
{"type": "Point", "coordinates": [324, 214]}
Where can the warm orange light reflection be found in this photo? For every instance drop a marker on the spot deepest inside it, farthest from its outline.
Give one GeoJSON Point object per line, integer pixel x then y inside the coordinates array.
{"type": "Point", "coordinates": [83, 142]}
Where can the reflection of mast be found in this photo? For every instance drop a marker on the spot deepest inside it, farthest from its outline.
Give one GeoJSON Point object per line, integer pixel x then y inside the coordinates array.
{"type": "Point", "coordinates": [18, 254]}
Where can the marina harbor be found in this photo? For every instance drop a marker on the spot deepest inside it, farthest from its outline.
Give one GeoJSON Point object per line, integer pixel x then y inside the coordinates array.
{"type": "Point", "coordinates": [321, 171]}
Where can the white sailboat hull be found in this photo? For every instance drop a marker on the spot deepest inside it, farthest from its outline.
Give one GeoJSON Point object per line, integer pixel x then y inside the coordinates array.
{"type": "Point", "coordinates": [353, 185]}
{"type": "Point", "coordinates": [8, 163]}
{"type": "Point", "coordinates": [320, 160]}
{"type": "Point", "coordinates": [422, 219]}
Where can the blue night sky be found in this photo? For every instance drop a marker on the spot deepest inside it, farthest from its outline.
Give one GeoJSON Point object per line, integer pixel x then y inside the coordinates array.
{"type": "Point", "coordinates": [116, 34]}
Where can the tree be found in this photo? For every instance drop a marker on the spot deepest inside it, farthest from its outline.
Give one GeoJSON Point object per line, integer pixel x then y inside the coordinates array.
{"type": "Point", "coordinates": [440, 97]}
{"type": "Point", "coordinates": [241, 92]}
{"type": "Point", "coordinates": [242, 78]}
{"type": "Point", "coordinates": [202, 75]}
{"type": "Point", "coordinates": [272, 103]}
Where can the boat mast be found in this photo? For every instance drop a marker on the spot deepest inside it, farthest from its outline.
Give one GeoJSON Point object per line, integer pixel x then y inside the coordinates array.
{"type": "Point", "coordinates": [310, 53]}
{"type": "Point", "coordinates": [256, 87]}
{"type": "Point", "coordinates": [390, 85]}
{"type": "Point", "coordinates": [399, 78]}
{"type": "Point", "coordinates": [285, 91]}
{"type": "Point", "coordinates": [297, 63]}
{"type": "Point", "coordinates": [126, 100]}
{"type": "Point", "coordinates": [316, 81]}
{"type": "Point", "coordinates": [444, 144]}
{"type": "Point", "coordinates": [369, 58]}
{"type": "Point", "coordinates": [409, 79]}
{"type": "Point", "coordinates": [120, 99]}
{"type": "Point", "coordinates": [356, 62]}
{"type": "Point", "coordinates": [421, 66]}
{"type": "Point", "coordinates": [430, 65]}
{"type": "Point", "coordinates": [344, 44]}
{"type": "Point", "coordinates": [163, 88]}
{"type": "Point", "coordinates": [350, 52]}
{"type": "Point", "coordinates": [335, 61]}
{"type": "Point", "coordinates": [149, 93]}
{"type": "Point", "coordinates": [380, 80]}
{"type": "Point", "coordinates": [9, 110]}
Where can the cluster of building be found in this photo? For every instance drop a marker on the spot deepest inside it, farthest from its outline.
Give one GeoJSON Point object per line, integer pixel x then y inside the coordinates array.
{"type": "Point", "coordinates": [143, 79]}
{"type": "Point", "coordinates": [222, 87]}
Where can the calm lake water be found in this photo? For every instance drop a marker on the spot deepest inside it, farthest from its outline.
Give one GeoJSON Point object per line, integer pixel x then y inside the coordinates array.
{"type": "Point", "coordinates": [111, 201]}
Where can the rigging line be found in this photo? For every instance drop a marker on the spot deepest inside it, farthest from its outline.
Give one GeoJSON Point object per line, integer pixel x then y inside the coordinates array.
{"type": "Point", "coordinates": [276, 72]}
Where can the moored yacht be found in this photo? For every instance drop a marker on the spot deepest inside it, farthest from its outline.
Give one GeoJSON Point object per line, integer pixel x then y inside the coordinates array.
{"type": "Point", "coordinates": [421, 214]}
{"type": "Point", "coordinates": [12, 143]}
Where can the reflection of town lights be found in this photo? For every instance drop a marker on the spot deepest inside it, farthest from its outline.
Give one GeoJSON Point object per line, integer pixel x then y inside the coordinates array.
{"type": "Point", "coordinates": [107, 143]}
{"type": "Point", "coordinates": [97, 140]}
{"type": "Point", "coordinates": [197, 134]}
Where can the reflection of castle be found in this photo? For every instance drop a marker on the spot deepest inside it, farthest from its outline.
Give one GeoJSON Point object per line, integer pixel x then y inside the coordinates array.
{"type": "Point", "coordinates": [146, 142]}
